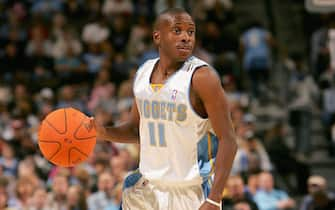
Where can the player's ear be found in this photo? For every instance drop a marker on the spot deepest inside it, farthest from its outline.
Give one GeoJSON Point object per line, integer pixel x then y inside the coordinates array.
{"type": "Point", "coordinates": [156, 37]}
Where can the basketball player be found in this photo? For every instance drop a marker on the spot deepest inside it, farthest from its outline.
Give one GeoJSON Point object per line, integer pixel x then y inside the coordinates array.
{"type": "Point", "coordinates": [181, 120]}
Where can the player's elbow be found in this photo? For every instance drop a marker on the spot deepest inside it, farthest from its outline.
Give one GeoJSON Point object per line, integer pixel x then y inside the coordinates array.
{"type": "Point", "coordinates": [229, 141]}
{"type": "Point", "coordinates": [233, 140]}
{"type": "Point", "coordinates": [234, 144]}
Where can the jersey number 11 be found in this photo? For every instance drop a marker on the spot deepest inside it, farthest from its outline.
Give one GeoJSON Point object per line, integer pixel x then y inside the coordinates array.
{"type": "Point", "coordinates": [161, 134]}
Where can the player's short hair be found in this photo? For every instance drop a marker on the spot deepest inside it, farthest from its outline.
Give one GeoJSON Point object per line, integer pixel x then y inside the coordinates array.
{"type": "Point", "coordinates": [171, 12]}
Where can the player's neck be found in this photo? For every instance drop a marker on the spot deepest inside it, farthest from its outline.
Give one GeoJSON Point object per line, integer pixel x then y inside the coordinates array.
{"type": "Point", "coordinates": [168, 67]}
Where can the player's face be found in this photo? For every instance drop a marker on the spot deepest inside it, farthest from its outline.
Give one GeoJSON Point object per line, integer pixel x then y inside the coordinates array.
{"type": "Point", "coordinates": [177, 37]}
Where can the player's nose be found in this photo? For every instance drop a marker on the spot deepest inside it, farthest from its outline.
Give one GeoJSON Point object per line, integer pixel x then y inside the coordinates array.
{"type": "Point", "coordinates": [185, 37]}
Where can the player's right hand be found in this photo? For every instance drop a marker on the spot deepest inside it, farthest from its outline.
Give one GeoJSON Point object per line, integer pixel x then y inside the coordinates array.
{"type": "Point", "coordinates": [99, 128]}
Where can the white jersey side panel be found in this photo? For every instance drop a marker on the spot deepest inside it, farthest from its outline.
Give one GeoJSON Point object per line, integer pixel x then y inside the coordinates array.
{"type": "Point", "coordinates": [176, 145]}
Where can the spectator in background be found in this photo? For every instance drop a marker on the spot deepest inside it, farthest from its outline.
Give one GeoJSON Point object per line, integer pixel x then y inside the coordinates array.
{"type": "Point", "coordinates": [201, 52]}
{"type": "Point", "coordinates": [230, 86]}
{"type": "Point", "coordinates": [23, 191]}
{"type": "Point", "coordinates": [58, 26]}
{"type": "Point", "coordinates": [8, 161]}
{"type": "Point", "coordinates": [242, 205]}
{"type": "Point", "coordinates": [161, 5]}
{"type": "Point", "coordinates": [46, 8]}
{"type": "Point", "coordinates": [56, 199]}
{"type": "Point", "coordinates": [120, 31]}
{"type": "Point", "coordinates": [236, 192]}
{"type": "Point", "coordinates": [103, 198]}
{"type": "Point", "coordinates": [81, 177]}
{"type": "Point", "coordinates": [69, 67]}
{"type": "Point", "coordinates": [284, 159]}
{"type": "Point", "coordinates": [39, 50]}
{"type": "Point", "coordinates": [320, 47]}
{"type": "Point", "coordinates": [119, 164]}
{"type": "Point", "coordinates": [258, 158]}
{"type": "Point", "coordinates": [74, 10]}
{"type": "Point", "coordinates": [255, 47]}
{"type": "Point", "coordinates": [38, 199]}
{"type": "Point", "coordinates": [67, 98]}
{"type": "Point", "coordinates": [4, 197]}
{"type": "Point", "coordinates": [211, 10]}
{"type": "Point", "coordinates": [95, 31]}
{"type": "Point", "coordinates": [143, 7]}
{"type": "Point", "coordinates": [3, 202]}
{"type": "Point", "coordinates": [26, 170]}
{"type": "Point", "coordinates": [251, 156]}
{"type": "Point", "coordinates": [9, 63]}
{"type": "Point", "coordinates": [303, 92]}
{"type": "Point", "coordinates": [252, 184]}
{"type": "Point", "coordinates": [139, 33]}
{"type": "Point", "coordinates": [103, 93]}
{"type": "Point", "coordinates": [21, 105]}
{"type": "Point", "coordinates": [117, 7]}
{"type": "Point", "coordinates": [268, 198]}
{"type": "Point", "coordinates": [328, 111]}
{"type": "Point", "coordinates": [318, 198]}
{"type": "Point", "coordinates": [76, 198]}
{"type": "Point", "coordinates": [94, 59]}
{"type": "Point", "coordinates": [14, 23]}
{"type": "Point", "coordinates": [99, 165]}
{"type": "Point", "coordinates": [43, 76]}
{"type": "Point", "coordinates": [39, 42]}
{"type": "Point", "coordinates": [212, 38]}
{"type": "Point", "coordinates": [117, 194]}
{"type": "Point", "coordinates": [67, 39]}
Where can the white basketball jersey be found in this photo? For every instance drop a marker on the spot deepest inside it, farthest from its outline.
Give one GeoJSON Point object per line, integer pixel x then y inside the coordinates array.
{"type": "Point", "coordinates": [176, 143]}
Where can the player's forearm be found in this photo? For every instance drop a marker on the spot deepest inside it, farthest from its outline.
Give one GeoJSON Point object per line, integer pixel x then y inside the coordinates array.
{"type": "Point", "coordinates": [123, 133]}
{"type": "Point", "coordinates": [224, 160]}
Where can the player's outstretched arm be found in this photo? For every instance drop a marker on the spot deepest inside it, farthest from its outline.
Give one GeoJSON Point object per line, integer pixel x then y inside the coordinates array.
{"type": "Point", "coordinates": [207, 86]}
{"type": "Point", "coordinates": [126, 132]}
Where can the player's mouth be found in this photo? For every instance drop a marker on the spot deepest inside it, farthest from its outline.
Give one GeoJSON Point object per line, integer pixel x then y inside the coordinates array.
{"type": "Point", "coordinates": [184, 49]}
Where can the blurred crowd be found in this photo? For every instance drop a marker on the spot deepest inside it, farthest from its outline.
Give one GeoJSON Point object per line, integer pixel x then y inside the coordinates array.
{"type": "Point", "coordinates": [84, 54]}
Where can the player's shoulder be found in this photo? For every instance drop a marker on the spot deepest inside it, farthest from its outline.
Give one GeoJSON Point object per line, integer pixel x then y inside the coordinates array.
{"type": "Point", "coordinates": [196, 62]}
{"type": "Point", "coordinates": [205, 75]}
{"type": "Point", "coordinates": [202, 68]}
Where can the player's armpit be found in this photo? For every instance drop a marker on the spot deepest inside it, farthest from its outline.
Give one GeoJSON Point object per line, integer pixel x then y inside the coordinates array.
{"type": "Point", "coordinates": [207, 85]}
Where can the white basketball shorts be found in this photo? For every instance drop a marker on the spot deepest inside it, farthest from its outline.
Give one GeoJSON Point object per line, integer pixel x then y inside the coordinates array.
{"type": "Point", "coordinates": [141, 194]}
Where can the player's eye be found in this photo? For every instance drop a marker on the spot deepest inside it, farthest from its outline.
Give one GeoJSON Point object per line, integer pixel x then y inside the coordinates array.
{"type": "Point", "coordinates": [176, 30]}
{"type": "Point", "coordinates": [190, 32]}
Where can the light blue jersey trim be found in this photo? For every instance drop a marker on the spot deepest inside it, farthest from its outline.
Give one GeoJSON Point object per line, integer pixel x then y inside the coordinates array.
{"type": "Point", "coordinates": [207, 149]}
{"type": "Point", "coordinates": [206, 188]}
{"type": "Point", "coordinates": [206, 163]}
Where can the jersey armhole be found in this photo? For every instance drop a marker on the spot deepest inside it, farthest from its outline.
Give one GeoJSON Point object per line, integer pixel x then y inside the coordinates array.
{"type": "Point", "coordinates": [189, 92]}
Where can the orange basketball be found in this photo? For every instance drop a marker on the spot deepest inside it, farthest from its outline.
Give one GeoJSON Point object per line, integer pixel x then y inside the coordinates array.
{"type": "Point", "coordinates": [66, 137]}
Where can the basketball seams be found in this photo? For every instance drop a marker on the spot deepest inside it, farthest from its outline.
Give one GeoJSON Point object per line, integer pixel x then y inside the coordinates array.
{"type": "Point", "coordinates": [65, 127]}
{"type": "Point", "coordinates": [76, 149]}
{"type": "Point", "coordinates": [76, 131]}
{"type": "Point", "coordinates": [58, 149]}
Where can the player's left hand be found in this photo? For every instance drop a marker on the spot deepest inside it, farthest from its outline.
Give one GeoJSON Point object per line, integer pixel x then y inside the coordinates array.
{"type": "Point", "coordinates": [208, 206]}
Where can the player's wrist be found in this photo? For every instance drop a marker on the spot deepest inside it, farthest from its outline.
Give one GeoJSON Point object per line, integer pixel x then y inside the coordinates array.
{"type": "Point", "coordinates": [215, 203]}
{"type": "Point", "coordinates": [215, 197]}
